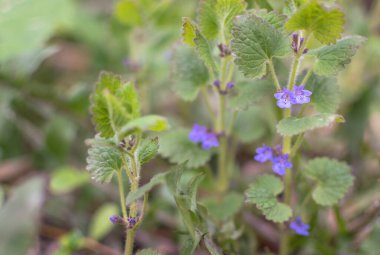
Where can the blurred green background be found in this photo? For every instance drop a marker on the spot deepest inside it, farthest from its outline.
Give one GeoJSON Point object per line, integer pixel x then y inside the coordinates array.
{"type": "Point", "coordinates": [51, 52]}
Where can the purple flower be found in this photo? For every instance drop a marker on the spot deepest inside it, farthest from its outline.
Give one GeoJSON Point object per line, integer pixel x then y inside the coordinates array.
{"type": "Point", "coordinates": [263, 154]}
{"type": "Point", "coordinates": [210, 140]}
{"type": "Point", "coordinates": [299, 227]}
{"type": "Point", "coordinates": [131, 222]}
{"type": "Point", "coordinates": [284, 98]}
{"type": "Point", "coordinates": [230, 85]}
{"type": "Point", "coordinates": [281, 163]}
{"type": "Point", "coordinates": [217, 83]}
{"type": "Point", "coordinates": [116, 219]}
{"type": "Point", "coordinates": [197, 133]}
{"type": "Point", "coordinates": [301, 95]}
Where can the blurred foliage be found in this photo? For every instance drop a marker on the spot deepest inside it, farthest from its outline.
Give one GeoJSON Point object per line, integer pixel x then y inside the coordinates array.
{"type": "Point", "coordinates": [50, 55]}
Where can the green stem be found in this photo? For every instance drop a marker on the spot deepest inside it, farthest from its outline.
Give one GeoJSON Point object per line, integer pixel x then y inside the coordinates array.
{"type": "Point", "coordinates": [208, 105]}
{"type": "Point", "coordinates": [307, 76]}
{"type": "Point", "coordinates": [341, 223]}
{"type": "Point", "coordinates": [296, 145]}
{"type": "Point", "coordinates": [122, 194]}
{"type": "Point", "coordinates": [274, 75]}
{"type": "Point", "coordinates": [133, 207]}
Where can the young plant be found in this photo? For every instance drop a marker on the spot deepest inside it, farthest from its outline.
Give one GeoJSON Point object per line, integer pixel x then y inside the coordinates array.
{"type": "Point", "coordinates": [255, 41]}
{"type": "Point", "coordinates": [121, 145]}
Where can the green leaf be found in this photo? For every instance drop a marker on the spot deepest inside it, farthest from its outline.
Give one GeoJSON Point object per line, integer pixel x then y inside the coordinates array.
{"type": "Point", "coordinates": [255, 42]}
{"type": "Point", "coordinates": [326, 94]}
{"type": "Point", "coordinates": [216, 17]}
{"type": "Point", "coordinates": [35, 22]}
{"type": "Point", "coordinates": [263, 193]}
{"type": "Point", "coordinates": [250, 125]}
{"type": "Point", "coordinates": [104, 158]}
{"type": "Point", "coordinates": [192, 37]}
{"type": "Point", "coordinates": [157, 179]}
{"type": "Point", "coordinates": [100, 226]}
{"type": "Point", "coordinates": [250, 93]}
{"type": "Point", "coordinates": [333, 58]}
{"type": "Point", "coordinates": [192, 189]}
{"type": "Point", "coordinates": [113, 104]}
{"type": "Point", "coordinates": [147, 150]}
{"type": "Point", "coordinates": [146, 123]}
{"type": "Point", "coordinates": [333, 179]}
{"type": "Point", "coordinates": [190, 218]}
{"type": "Point", "coordinates": [127, 12]}
{"type": "Point", "coordinates": [190, 73]}
{"type": "Point", "coordinates": [66, 179]}
{"type": "Point", "coordinates": [225, 208]}
{"type": "Point", "coordinates": [294, 126]}
{"type": "Point", "coordinates": [272, 18]}
{"type": "Point", "coordinates": [325, 25]}
{"type": "Point", "coordinates": [148, 252]}
{"type": "Point", "coordinates": [20, 217]}
{"type": "Point", "coordinates": [177, 147]}
{"type": "Point", "coordinates": [190, 245]}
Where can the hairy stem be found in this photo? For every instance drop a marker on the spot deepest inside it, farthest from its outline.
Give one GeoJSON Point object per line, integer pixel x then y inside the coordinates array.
{"type": "Point", "coordinates": [208, 104]}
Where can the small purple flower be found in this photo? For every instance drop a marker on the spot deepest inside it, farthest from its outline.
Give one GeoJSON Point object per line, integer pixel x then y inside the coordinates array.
{"type": "Point", "coordinates": [263, 154]}
{"type": "Point", "coordinates": [281, 163]}
{"type": "Point", "coordinates": [299, 227]}
{"type": "Point", "coordinates": [116, 219]}
{"type": "Point", "coordinates": [230, 85]}
{"type": "Point", "coordinates": [210, 140]}
{"type": "Point", "coordinates": [197, 133]}
{"type": "Point", "coordinates": [284, 98]}
{"type": "Point", "coordinates": [301, 95]}
{"type": "Point", "coordinates": [131, 222]}
{"type": "Point", "coordinates": [217, 83]}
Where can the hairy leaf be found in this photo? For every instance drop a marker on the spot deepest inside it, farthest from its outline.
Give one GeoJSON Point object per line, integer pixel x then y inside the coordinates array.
{"type": "Point", "coordinates": [326, 94]}
{"type": "Point", "coordinates": [333, 58]}
{"type": "Point", "coordinates": [333, 179]}
{"type": "Point", "coordinates": [190, 74]}
{"type": "Point", "coordinates": [294, 126]}
{"type": "Point", "coordinates": [255, 41]}
{"type": "Point", "coordinates": [113, 104]}
{"type": "Point", "coordinates": [272, 18]}
{"type": "Point", "coordinates": [104, 158]}
{"type": "Point", "coordinates": [263, 193]}
{"type": "Point", "coordinates": [177, 147]}
{"type": "Point", "coordinates": [325, 25]}
{"type": "Point", "coordinates": [216, 16]}
{"type": "Point", "coordinates": [148, 150]}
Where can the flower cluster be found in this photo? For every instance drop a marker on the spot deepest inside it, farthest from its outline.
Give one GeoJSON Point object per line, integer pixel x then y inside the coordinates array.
{"type": "Point", "coordinates": [299, 227]}
{"type": "Point", "coordinates": [199, 134]}
{"type": "Point", "coordinates": [230, 85]}
{"type": "Point", "coordinates": [116, 219]}
{"type": "Point", "coordinates": [280, 161]}
{"type": "Point", "coordinates": [299, 95]}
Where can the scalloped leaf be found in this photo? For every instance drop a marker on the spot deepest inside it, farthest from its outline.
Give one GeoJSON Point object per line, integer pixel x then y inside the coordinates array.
{"type": "Point", "coordinates": [147, 150]}
{"type": "Point", "coordinates": [273, 18]}
{"type": "Point", "coordinates": [104, 158]}
{"type": "Point", "coordinates": [224, 208]}
{"type": "Point", "coordinates": [333, 58]}
{"type": "Point", "coordinates": [255, 41]}
{"type": "Point", "coordinates": [294, 126]}
{"type": "Point", "coordinates": [215, 15]}
{"type": "Point", "coordinates": [113, 104]}
{"type": "Point", "coordinates": [333, 179]}
{"type": "Point", "coordinates": [190, 73]}
{"type": "Point", "coordinates": [263, 193]}
{"type": "Point", "coordinates": [177, 147]}
{"type": "Point", "coordinates": [325, 25]}
{"type": "Point", "coordinates": [326, 94]}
